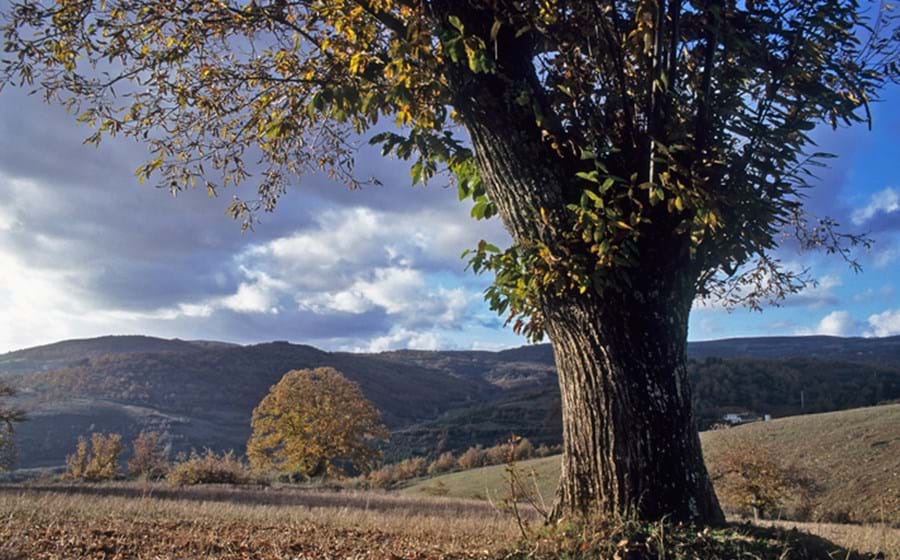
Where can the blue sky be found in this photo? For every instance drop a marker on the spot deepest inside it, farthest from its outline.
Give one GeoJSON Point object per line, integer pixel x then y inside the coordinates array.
{"type": "Point", "coordinates": [862, 191]}
{"type": "Point", "coordinates": [86, 251]}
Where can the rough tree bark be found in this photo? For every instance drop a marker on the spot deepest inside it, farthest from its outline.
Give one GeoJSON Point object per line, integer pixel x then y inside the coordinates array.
{"type": "Point", "coordinates": [630, 445]}
{"type": "Point", "coordinates": [630, 442]}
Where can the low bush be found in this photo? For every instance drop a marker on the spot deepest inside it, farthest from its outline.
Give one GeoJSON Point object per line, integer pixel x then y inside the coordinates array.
{"type": "Point", "coordinates": [391, 475]}
{"type": "Point", "coordinates": [382, 478]}
{"type": "Point", "coordinates": [95, 461]}
{"type": "Point", "coordinates": [524, 450]}
{"type": "Point", "coordinates": [149, 457]}
{"type": "Point", "coordinates": [759, 482]}
{"type": "Point", "coordinates": [473, 458]}
{"type": "Point", "coordinates": [445, 462]}
{"type": "Point", "coordinates": [411, 468]}
{"type": "Point", "coordinates": [498, 454]}
{"type": "Point", "coordinates": [209, 468]}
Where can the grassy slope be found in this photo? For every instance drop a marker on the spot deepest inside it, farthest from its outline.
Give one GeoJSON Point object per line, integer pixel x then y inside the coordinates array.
{"type": "Point", "coordinates": [853, 454]}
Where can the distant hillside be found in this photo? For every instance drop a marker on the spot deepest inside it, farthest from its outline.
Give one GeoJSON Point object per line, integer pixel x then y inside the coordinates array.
{"type": "Point", "coordinates": [854, 456]}
{"type": "Point", "coordinates": [203, 392]}
{"type": "Point", "coordinates": [68, 352]}
{"type": "Point", "coordinates": [205, 397]}
{"type": "Point", "coordinates": [782, 387]}
{"type": "Point", "coordinates": [788, 386]}
{"type": "Point", "coordinates": [880, 351]}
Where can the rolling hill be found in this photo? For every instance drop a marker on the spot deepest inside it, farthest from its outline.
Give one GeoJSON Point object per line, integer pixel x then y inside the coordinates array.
{"type": "Point", "coordinates": [204, 397]}
{"type": "Point", "coordinates": [202, 393]}
{"type": "Point", "coordinates": [853, 455]}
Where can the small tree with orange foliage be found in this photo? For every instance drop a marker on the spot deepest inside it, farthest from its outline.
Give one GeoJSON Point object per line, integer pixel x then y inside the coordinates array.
{"type": "Point", "coordinates": [472, 458]}
{"type": "Point", "coordinates": [755, 480]}
{"type": "Point", "coordinates": [149, 458]}
{"type": "Point", "coordinates": [95, 461]}
{"type": "Point", "coordinates": [315, 422]}
{"type": "Point", "coordinates": [444, 463]}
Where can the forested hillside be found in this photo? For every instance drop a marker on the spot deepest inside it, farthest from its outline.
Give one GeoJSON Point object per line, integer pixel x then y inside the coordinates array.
{"type": "Point", "coordinates": [202, 393]}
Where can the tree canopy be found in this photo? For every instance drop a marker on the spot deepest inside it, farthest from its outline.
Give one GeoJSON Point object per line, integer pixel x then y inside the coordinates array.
{"type": "Point", "coordinates": [656, 118]}
{"type": "Point", "coordinates": [315, 422]}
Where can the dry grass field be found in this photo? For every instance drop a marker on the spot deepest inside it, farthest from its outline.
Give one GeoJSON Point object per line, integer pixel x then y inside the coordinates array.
{"type": "Point", "coordinates": [853, 455]}
{"type": "Point", "coordinates": [139, 521]}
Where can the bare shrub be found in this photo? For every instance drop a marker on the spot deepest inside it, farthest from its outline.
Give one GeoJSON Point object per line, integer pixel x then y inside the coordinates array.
{"type": "Point", "coordinates": [382, 478]}
{"type": "Point", "coordinates": [149, 458]}
{"type": "Point", "coordinates": [543, 451]}
{"type": "Point", "coordinates": [209, 468]}
{"type": "Point", "coordinates": [472, 458]}
{"type": "Point", "coordinates": [445, 462]}
{"type": "Point", "coordinates": [410, 468]}
{"type": "Point", "coordinates": [498, 454]}
{"type": "Point", "coordinates": [524, 450]}
{"type": "Point", "coordinates": [754, 479]}
{"type": "Point", "coordinates": [521, 487]}
{"type": "Point", "coordinates": [95, 461]}
{"type": "Point", "coordinates": [391, 475]}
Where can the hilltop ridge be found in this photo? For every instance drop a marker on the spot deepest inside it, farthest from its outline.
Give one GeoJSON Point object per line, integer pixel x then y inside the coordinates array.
{"type": "Point", "coordinates": [202, 393]}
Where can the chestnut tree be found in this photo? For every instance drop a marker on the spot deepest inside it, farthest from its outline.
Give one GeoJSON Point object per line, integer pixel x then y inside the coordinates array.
{"type": "Point", "coordinates": [642, 154]}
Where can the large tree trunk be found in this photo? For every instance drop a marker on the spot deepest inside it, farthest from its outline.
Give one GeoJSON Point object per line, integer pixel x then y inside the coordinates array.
{"type": "Point", "coordinates": [630, 445]}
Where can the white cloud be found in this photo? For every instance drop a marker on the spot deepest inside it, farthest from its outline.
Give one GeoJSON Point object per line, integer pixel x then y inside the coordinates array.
{"type": "Point", "coordinates": [836, 323]}
{"type": "Point", "coordinates": [351, 261]}
{"type": "Point", "coordinates": [399, 291]}
{"type": "Point", "coordinates": [358, 260]}
{"type": "Point", "coordinates": [7, 219]}
{"type": "Point", "coordinates": [361, 236]}
{"type": "Point", "coordinates": [886, 201]}
{"type": "Point", "coordinates": [402, 338]}
{"type": "Point", "coordinates": [40, 305]}
{"type": "Point", "coordinates": [886, 323]}
{"type": "Point", "coordinates": [348, 262]}
{"type": "Point", "coordinates": [257, 295]}
{"type": "Point", "coordinates": [818, 295]}
{"type": "Point", "coordinates": [392, 289]}
{"type": "Point", "coordinates": [489, 346]}
{"type": "Point", "coordinates": [886, 256]}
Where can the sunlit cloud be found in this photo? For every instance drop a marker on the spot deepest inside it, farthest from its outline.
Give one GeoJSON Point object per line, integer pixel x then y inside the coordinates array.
{"type": "Point", "coordinates": [886, 201]}
{"type": "Point", "coordinates": [886, 323]}
{"type": "Point", "coordinates": [836, 323]}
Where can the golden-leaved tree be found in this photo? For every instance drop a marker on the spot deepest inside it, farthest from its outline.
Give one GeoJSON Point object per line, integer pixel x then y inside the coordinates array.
{"type": "Point", "coordinates": [95, 460]}
{"type": "Point", "coordinates": [641, 153]}
{"type": "Point", "coordinates": [315, 422]}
